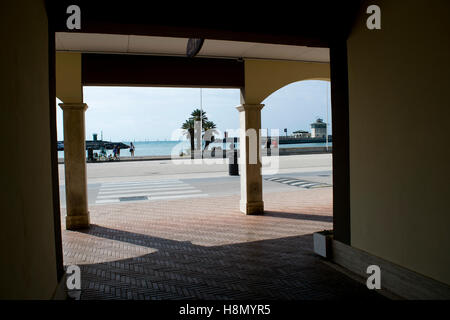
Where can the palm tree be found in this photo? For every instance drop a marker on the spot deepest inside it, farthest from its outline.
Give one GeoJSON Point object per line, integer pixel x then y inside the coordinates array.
{"type": "Point", "coordinates": [198, 114]}
{"type": "Point", "coordinates": [209, 126]}
{"type": "Point", "coordinates": [188, 125]}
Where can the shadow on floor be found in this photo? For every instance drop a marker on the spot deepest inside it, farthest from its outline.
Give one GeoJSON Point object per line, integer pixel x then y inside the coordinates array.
{"type": "Point", "coordinates": [298, 216]}
{"type": "Point", "coordinates": [274, 269]}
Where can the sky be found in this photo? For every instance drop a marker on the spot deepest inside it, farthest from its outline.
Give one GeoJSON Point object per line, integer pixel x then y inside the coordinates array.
{"type": "Point", "coordinates": [150, 113]}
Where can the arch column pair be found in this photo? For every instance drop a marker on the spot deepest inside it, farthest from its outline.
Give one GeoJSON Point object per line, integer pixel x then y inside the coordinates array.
{"type": "Point", "coordinates": [262, 78]}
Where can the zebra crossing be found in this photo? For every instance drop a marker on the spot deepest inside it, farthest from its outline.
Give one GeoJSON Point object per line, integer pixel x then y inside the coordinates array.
{"type": "Point", "coordinates": [299, 182]}
{"type": "Point", "coordinates": [113, 192]}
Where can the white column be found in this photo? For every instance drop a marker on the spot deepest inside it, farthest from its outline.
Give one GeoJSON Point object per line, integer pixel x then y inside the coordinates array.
{"type": "Point", "coordinates": [75, 165]}
{"type": "Point", "coordinates": [250, 159]}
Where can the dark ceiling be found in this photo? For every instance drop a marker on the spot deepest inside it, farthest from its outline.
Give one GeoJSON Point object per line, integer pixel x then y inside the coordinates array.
{"type": "Point", "coordinates": [316, 23]}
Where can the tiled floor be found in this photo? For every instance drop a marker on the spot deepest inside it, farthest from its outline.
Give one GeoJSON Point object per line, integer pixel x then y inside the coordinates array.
{"type": "Point", "coordinates": [204, 248]}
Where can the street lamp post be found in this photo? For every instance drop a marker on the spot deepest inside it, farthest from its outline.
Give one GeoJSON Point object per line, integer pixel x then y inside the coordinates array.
{"type": "Point", "coordinates": [201, 123]}
{"type": "Point", "coordinates": [326, 133]}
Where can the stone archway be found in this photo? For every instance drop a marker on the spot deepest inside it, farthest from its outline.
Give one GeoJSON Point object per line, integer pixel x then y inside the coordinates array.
{"type": "Point", "coordinates": [262, 78]}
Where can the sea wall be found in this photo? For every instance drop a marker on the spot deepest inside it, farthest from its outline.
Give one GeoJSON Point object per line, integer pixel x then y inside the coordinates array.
{"type": "Point", "coordinates": [282, 152]}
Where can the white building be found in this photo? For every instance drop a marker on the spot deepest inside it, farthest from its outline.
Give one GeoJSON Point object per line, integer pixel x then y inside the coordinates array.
{"type": "Point", "coordinates": [301, 134]}
{"type": "Point", "coordinates": [318, 129]}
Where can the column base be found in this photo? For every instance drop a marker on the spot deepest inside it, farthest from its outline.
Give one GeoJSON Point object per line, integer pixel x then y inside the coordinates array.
{"type": "Point", "coordinates": [77, 222]}
{"type": "Point", "coordinates": [252, 208]}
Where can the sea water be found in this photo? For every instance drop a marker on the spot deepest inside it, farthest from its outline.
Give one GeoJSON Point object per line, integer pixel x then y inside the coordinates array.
{"type": "Point", "coordinates": [166, 148]}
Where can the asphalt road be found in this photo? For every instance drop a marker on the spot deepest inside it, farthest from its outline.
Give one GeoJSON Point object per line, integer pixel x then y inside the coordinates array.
{"type": "Point", "coordinates": [156, 180]}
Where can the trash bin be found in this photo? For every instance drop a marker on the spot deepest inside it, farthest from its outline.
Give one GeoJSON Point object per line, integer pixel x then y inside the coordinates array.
{"type": "Point", "coordinates": [233, 166]}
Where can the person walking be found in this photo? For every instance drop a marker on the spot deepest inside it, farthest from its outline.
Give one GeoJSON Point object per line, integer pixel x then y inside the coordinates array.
{"type": "Point", "coordinates": [132, 149]}
{"type": "Point", "coordinates": [115, 152]}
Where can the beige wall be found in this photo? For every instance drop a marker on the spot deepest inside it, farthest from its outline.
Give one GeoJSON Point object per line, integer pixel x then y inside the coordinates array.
{"type": "Point", "coordinates": [68, 77]}
{"type": "Point", "coordinates": [27, 240]}
{"type": "Point", "coordinates": [399, 113]}
{"type": "Point", "coordinates": [263, 77]}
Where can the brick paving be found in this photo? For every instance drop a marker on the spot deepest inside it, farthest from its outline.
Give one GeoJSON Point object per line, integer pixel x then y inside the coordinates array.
{"type": "Point", "coordinates": [205, 248]}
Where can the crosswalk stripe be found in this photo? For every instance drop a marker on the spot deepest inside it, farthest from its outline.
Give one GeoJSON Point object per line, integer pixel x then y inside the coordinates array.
{"type": "Point", "coordinates": [150, 194]}
{"type": "Point", "coordinates": [145, 187]}
{"type": "Point", "coordinates": [123, 191]}
{"type": "Point", "coordinates": [299, 183]}
{"type": "Point", "coordinates": [320, 185]}
{"type": "Point", "coordinates": [107, 201]}
{"type": "Point", "coordinates": [288, 181]}
{"type": "Point", "coordinates": [114, 192]}
{"type": "Point", "coordinates": [181, 196]}
{"type": "Point", "coordinates": [308, 185]}
{"type": "Point", "coordinates": [141, 184]}
{"type": "Point", "coordinates": [158, 182]}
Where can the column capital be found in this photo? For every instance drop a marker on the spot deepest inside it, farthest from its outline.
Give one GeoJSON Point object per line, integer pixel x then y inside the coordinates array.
{"type": "Point", "coordinates": [249, 107]}
{"type": "Point", "coordinates": [74, 106]}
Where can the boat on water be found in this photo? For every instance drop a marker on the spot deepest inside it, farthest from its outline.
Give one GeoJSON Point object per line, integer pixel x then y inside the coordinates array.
{"type": "Point", "coordinates": [96, 144]}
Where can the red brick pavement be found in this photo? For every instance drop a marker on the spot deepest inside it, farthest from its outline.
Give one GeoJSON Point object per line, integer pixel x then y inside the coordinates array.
{"type": "Point", "coordinates": [204, 248]}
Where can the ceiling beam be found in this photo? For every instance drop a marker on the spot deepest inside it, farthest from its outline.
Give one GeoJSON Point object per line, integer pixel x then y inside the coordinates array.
{"type": "Point", "coordinates": [138, 70]}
